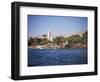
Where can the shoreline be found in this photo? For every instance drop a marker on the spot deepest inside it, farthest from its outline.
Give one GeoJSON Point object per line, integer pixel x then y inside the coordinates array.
{"type": "Point", "coordinates": [59, 47]}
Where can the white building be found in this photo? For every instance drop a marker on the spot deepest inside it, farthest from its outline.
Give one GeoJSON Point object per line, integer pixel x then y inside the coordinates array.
{"type": "Point", "coordinates": [49, 37]}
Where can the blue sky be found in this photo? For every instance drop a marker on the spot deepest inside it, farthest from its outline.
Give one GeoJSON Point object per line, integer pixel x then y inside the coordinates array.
{"type": "Point", "coordinates": [58, 25]}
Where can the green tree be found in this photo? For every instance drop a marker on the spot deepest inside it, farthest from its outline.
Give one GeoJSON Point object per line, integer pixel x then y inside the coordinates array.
{"type": "Point", "coordinates": [44, 35]}
{"type": "Point", "coordinates": [43, 41]}
{"type": "Point", "coordinates": [58, 40]}
{"type": "Point", "coordinates": [33, 41]}
{"type": "Point", "coordinates": [30, 40]}
{"type": "Point", "coordinates": [74, 39]}
{"type": "Point", "coordinates": [85, 37]}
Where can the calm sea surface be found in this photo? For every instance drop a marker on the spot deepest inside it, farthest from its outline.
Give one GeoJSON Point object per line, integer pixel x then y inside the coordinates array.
{"type": "Point", "coordinates": [46, 57]}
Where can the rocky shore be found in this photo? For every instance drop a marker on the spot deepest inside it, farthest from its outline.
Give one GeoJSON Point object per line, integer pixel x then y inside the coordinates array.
{"type": "Point", "coordinates": [60, 46]}
{"type": "Point", "coordinates": [76, 46]}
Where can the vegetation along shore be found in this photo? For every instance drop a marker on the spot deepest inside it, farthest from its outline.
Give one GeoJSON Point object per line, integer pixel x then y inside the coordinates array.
{"type": "Point", "coordinates": [73, 41]}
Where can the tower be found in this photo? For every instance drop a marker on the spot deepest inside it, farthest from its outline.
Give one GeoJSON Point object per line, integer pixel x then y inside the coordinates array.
{"type": "Point", "coordinates": [50, 36]}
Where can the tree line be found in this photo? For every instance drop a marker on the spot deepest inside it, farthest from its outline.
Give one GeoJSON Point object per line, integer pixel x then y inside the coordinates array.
{"type": "Point", "coordinates": [74, 39]}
